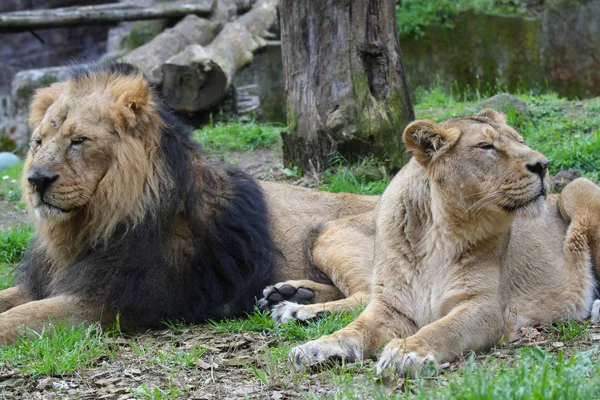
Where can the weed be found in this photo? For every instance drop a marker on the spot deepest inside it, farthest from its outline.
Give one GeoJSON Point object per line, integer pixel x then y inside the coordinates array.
{"type": "Point", "coordinates": [365, 177]}
{"type": "Point", "coordinates": [14, 242]}
{"type": "Point", "coordinates": [568, 330]}
{"type": "Point", "coordinates": [57, 350]}
{"type": "Point", "coordinates": [237, 136]}
{"type": "Point", "coordinates": [156, 393]}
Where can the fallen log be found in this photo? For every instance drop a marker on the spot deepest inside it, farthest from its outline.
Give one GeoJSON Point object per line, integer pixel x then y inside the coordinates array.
{"type": "Point", "coordinates": [199, 77]}
{"type": "Point", "coordinates": [153, 54]}
{"type": "Point", "coordinates": [18, 21]}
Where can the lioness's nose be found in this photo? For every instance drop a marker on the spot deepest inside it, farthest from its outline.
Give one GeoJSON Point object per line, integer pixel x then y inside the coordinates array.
{"type": "Point", "coordinates": [538, 166]}
{"type": "Point", "coordinates": [41, 179]}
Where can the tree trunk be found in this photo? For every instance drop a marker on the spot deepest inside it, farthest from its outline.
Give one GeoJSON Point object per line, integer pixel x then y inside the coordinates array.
{"type": "Point", "coordinates": [150, 57]}
{"type": "Point", "coordinates": [103, 14]}
{"type": "Point", "coordinates": [345, 84]}
{"type": "Point", "coordinates": [199, 77]}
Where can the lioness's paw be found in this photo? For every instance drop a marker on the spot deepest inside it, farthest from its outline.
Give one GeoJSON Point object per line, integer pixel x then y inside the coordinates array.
{"type": "Point", "coordinates": [401, 357]}
{"type": "Point", "coordinates": [286, 311]}
{"type": "Point", "coordinates": [285, 291]}
{"type": "Point", "coordinates": [324, 351]}
{"type": "Point", "coordinates": [596, 311]}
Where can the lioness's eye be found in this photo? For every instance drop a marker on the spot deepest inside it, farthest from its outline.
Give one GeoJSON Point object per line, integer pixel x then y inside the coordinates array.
{"type": "Point", "coordinates": [78, 140]}
{"type": "Point", "coordinates": [486, 146]}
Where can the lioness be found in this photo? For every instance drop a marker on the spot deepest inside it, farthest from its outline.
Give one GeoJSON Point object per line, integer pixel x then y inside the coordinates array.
{"type": "Point", "coordinates": [464, 252]}
{"type": "Point", "coordinates": [131, 219]}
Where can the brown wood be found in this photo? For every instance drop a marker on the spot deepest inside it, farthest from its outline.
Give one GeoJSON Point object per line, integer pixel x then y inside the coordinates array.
{"type": "Point", "coordinates": [345, 84]}
{"type": "Point", "coordinates": [100, 14]}
{"type": "Point", "coordinates": [199, 77]}
{"type": "Point", "coordinates": [150, 57]}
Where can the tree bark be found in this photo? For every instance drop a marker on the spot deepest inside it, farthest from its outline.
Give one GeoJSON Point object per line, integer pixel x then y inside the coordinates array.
{"type": "Point", "coordinates": [101, 14]}
{"type": "Point", "coordinates": [150, 57]}
{"type": "Point", "coordinates": [199, 77]}
{"type": "Point", "coordinates": [345, 84]}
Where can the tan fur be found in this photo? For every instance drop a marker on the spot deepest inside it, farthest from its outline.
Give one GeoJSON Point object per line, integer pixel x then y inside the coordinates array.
{"type": "Point", "coordinates": [456, 268]}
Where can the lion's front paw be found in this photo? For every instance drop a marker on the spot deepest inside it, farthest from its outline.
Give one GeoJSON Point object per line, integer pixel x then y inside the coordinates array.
{"type": "Point", "coordinates": [287, 311]}
{"type": "Point", "coordinates": [596, 311]}
{"type": "Point", "coordinates": [326, 350]}
{"type": "Point", "coordinates": [405, 357]}
{"type": "Point", "coordinates": [285, 291]}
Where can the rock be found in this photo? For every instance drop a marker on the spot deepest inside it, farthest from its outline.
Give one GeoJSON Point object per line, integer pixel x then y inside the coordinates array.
{"type": "Point", "coordinates": [14, 111]}
{"type": "Point", "coordinates": [502, 102]}
{"type": "Point", "coordinates": [562, 179]}
{"type": "Point", "coordinates": [8, 160]}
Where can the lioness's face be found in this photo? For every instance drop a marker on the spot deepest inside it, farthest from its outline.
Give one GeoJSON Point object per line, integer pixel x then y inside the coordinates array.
{"type": "Point", "coordinates": [482, 163]}
{"type": "Point", "coordinates": [70, 152]}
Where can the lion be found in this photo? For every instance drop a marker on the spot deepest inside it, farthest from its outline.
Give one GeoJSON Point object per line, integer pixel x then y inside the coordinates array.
{"type": "Point", "coordinates": [132, 222]}
{"type": "Point", "coordinates": [468, 248]}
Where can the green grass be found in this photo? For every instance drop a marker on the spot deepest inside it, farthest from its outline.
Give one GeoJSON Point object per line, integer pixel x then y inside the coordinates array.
{"type": "Point", "coordinates": [155, 393]}
{"type": "Point", "coordinates": [365, 178]}
{"type": "Point", "coordinates": [569, 330]}
{"type": "Point", "coordinates": [261, 321]}
{"type": "Point", "coordinates": [170, 355]}
{"type": "Point", "coordinates": [58, 349]}
{"type": "Point", "coordinates": [237, 136]}
{"type": "Point", "coordinates": [9, 183]}
{"type": "Point", "coordinates": [14, 243]}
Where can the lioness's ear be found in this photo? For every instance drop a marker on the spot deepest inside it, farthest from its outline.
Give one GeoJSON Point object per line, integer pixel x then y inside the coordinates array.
{"type": "Point", "coordinates": [42, 99]}
{"type": "Point", "coordinates": [425, 139]}
{"type": "Point", "coordinates": [493, 115]}
{"type": "Point", "coordinates": [132, 94]}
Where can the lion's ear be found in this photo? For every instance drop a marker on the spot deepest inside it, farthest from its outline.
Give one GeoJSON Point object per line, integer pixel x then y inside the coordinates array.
{"type": "Point", "coordinates": [42, 99]}
{"type": "Point", "coordinates": [493, 115]}
{"type": "Point", "coordinates": [132, 97]}
{"type": "Point", "coordinates": [425, 139]}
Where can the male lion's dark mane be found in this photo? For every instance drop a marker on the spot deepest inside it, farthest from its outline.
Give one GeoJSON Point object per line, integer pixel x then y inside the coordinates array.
{"type": "Point", "coordinates": [231, 261]}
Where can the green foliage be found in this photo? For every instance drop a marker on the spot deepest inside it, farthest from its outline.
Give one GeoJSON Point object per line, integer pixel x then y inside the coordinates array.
{"type": "Point", "coordinates": [14, 242]}
{"type": "Point", "coordinates": [155, 393]}
{"type": "Point", "coordinates": [6, 276]}
{"type": "Point", "coordinates": [238, 136]}
{"type": "Point", "coordinates": [413, 15]}
{"type": "Point", "coordinates": [261, 321]}
{"type": "Point", "coordinates": [9, 183]}
{"type": "Point", "coordinates": [569, 330]}
{"type": "Point", "coordinates": [365, 178]}
{"type": "Point", "coordinates": [57, 350]}
{"type": "Point", "coordinates": [169, 355]}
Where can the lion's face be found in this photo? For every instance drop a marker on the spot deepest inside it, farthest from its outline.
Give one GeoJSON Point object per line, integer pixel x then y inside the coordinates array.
{"type": "Point", "coordinates": [481, 164]}
{"type": "Point", "coordinates": [86, 146]}
{"type": "Point", "coordinates": [70, 153]}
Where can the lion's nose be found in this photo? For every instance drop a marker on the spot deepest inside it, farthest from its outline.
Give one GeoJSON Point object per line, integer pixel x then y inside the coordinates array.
{"type": "Point", "coordinates": [40, 179]}
{"type": "Point", "coordinates": [538, 166]}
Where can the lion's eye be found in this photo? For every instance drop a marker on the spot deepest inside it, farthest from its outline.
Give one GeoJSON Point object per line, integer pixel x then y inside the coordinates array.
{"type": "Point", "coordinates": [78, 140]}
{"type": "Point", "coordinates": [486, 146]}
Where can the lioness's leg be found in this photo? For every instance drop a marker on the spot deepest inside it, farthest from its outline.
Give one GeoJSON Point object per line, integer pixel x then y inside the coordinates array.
{"type": "Point", "coordinates": [379, 323]}
{"type": "Point", "coordinates": [344, 252]}
{"type": "Point", "coordinates": [579, 203]}
{"type": "Point", "coordinates": [37, 314]}
{"type": "Point", "coordinates": [470, 326]}
{"type": "Point", "coordinates": [12, 297]}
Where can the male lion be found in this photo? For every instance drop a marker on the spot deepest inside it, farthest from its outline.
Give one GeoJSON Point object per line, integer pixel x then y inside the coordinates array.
{"type": "Point", "coordinates": [131, 219]}
{"type": "Point", "coordinates": [464, 253]}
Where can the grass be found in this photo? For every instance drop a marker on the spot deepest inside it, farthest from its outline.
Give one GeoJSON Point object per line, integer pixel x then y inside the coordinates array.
{"type": "Point", "coordinates": [365, 177]}
{"type": "Point", "coordinates": [58, 349]}
{"type": "Point", "coordinates": [237, 136]}
{"type": "Point", "coordinates": [14, 242]}
{"type": "Point", "coordinates": [170, 355]}
{"type": "Point", "coordinates": [10, 189]}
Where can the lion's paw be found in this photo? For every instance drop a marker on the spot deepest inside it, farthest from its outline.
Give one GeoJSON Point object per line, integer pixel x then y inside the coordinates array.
{"type": "Point", "coordinates": [324, 351]}
{"type": "Point", "coordinates": [285, 291]}
{"type": "Point", "coordinates": [399, 357]}
{"type": "Point", "coordinates": [596, 311]}
{"type": "Point", "coordinates": [286, 311]}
